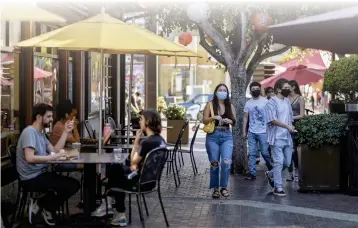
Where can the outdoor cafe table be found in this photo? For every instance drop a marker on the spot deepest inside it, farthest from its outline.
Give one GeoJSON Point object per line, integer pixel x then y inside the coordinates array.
{"type": "Point", "coordinates": [89, 161]}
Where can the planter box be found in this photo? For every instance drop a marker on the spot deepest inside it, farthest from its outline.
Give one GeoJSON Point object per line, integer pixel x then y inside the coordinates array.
{"type": "Point", "coordinates": [339, 108]}
{"type": "Point", "coordinates": [319, 169]}
{"type": "Point", "coordinates": [173, 133]}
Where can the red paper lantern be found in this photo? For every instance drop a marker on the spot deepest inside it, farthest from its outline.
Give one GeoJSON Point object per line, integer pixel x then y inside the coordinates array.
{"type": "Point", "coordinates": [261, 21]}
{"type": "Point", "coordinates": [185, 38]}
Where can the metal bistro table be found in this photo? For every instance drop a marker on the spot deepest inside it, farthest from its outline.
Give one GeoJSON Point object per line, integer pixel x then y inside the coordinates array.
{"type": "Point", "coordinates": [90, 160]}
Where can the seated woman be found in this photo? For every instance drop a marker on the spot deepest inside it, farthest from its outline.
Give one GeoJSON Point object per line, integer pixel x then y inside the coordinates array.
{"type": "Point", "coordinates": [65, 111]}
{"type": "Point", "coordinates": [150, 124]}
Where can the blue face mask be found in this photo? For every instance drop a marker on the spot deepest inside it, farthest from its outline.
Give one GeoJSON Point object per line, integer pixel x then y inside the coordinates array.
{"type": "Point", "coordinates": [221, 95]}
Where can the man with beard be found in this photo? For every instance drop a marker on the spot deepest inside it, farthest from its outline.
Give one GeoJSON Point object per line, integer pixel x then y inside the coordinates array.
{"type": "Point", "coordinates": [279, 118]}
{"type": "Point", "coordinates": [32, 154]}
{"type": "Point", "coordinates": [254, 116]}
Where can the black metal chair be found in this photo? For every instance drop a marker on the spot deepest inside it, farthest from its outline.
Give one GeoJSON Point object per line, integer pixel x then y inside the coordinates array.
{"type": "Point", "coordinates": [90, 131]}
{"type": "Point", "coordinates": [150, 174]}
{"type": "Point", "coordinates": [191, 149]}
{"type": "Point", "coordinates": [21, 208]}
{"type": "Point", "coordinates": [172, 160]}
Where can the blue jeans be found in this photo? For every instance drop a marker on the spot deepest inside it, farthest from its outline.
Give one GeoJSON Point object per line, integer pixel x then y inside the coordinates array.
{"type": "Point", "coordinates": [282, 155]}
{"type": "Point", "coordinates": [219, 146]}
{"type": "Point", "coordinates": [261, 139]}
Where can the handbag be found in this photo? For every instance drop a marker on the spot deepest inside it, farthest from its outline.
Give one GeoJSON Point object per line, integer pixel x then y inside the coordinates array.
{"type": "Point", "coordinates": [210, 127]}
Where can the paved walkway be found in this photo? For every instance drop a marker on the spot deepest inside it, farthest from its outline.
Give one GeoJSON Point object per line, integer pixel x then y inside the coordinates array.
{"type": "Point", "coordinates": [251, 204]}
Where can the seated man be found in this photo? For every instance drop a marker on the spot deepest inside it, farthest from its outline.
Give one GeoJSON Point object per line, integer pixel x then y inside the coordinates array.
{"type": "Point", "coordinates": [150, 124]}
{"type": "Point", "coordinates": [32, 153]}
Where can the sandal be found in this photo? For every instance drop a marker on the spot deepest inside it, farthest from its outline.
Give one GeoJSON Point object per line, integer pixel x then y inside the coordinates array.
{"type": "Point", "coordinates": [224, 192]}
{"type": "Point", "coordinates": [216, 194]}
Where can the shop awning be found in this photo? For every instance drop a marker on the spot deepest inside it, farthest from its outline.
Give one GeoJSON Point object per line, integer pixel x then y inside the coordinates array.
{"type": "Point", "coordinates": [334, 31]}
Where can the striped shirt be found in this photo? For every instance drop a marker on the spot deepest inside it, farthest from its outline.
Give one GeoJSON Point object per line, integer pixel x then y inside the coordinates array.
{"type": "Point", "coordinates": [272, 113]}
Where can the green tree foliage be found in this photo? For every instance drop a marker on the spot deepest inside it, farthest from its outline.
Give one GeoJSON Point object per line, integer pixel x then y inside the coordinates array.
{"type": "Point", "coordinates": [341, 79]}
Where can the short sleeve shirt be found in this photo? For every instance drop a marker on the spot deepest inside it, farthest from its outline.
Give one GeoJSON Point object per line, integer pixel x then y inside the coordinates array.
{"type": "Point", "coordinates": [31, 138]}
{"type": "Point", "coordinates": [149, 144]}
{"type": "Point", "coordinates": [257, 115]}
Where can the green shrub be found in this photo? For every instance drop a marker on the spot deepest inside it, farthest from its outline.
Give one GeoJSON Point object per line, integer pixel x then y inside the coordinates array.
{"type": "Point", "coordinates": [319, 130]}
{"type": "Point", "coordinates": [341, 79]}
{"type": "Point", "coordinates": [174, 112]}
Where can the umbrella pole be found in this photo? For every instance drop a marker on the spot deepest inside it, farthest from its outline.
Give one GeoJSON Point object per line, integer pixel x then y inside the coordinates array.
{"type": "Point", "coordinates": [129, 97]}
{"type": "Point", "coordinates": [100, 140]}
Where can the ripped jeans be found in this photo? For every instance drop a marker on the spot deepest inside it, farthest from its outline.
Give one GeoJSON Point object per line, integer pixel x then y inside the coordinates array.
{"type": "Point", "coordinates": [219, 146]}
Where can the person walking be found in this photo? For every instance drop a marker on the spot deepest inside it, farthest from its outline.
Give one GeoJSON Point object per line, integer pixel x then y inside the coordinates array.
{"type": "Point", "coordinates": [279, 128]}
{"type": "Point", "coordinates": [219, 144]}
{"type": "Point", "coordinates": [298, 110]}
{"type": "Point", "coordinates": [254, 117]}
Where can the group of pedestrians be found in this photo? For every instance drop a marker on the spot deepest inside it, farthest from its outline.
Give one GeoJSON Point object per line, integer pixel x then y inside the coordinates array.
{"type": "Point", "coordinates": [268, 126]}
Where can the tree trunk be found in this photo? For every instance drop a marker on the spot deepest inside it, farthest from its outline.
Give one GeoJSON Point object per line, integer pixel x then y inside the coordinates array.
{"type": "Point", "coordinates": [238, 98]}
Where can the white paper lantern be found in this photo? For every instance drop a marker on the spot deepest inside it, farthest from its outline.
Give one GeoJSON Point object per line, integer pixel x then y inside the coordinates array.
{"type": "Point", "coordinates": [198, 11]}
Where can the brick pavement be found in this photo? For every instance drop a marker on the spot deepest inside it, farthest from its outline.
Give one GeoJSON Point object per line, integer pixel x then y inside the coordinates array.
{"type": "Point", "coordinates": [251, 204]}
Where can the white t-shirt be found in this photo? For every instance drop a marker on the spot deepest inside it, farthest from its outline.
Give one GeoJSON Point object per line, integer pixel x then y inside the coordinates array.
{"type": "Point", "coordinates": [257, 116]}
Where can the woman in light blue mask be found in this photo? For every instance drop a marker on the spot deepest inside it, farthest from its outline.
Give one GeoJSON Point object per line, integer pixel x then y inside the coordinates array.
{"type": "Point", "coordinates": [219, 144]}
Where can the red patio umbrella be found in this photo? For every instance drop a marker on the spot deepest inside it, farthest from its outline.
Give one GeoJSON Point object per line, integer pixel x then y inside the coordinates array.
{"type": "Point", "coordinates": [300, 73]}
{"type": "Point", "coordinates": [40, 74]}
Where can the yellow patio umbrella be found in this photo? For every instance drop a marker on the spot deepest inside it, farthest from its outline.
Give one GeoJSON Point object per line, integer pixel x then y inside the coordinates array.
{"type": "Point", "coordinates": [26, 11]}
{"type": "Point", "coordinates": [106, 34]}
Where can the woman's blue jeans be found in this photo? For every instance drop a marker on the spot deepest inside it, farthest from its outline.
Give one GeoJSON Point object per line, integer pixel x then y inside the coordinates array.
{"type": "Point", "coordinates": [219, 146]}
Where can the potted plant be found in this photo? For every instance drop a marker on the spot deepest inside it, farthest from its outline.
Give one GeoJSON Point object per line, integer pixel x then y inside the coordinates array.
{"type": "Point", "coordinates": [175, 115]}
{"type": "Point", "coordinates": [341, 81]}
{"type": "Point", "coordinates": [320, 137]}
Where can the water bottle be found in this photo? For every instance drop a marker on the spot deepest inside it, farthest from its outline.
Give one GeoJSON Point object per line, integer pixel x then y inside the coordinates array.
{"type": "Point", "coordinates": [106, 130]}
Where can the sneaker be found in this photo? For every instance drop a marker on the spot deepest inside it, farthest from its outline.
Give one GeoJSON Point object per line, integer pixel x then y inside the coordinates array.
{"type": "Point", "coordinates": [290, 177]}
{"type": "Point", "coordinates": [270, 179]}
{"type": "Point", "coordinates": [250, 177]}
{"type": "Point", "coordinates": [257, 161]}
{"type": "Point", "coordinates": [296, 175]}
{"type": "Point", "coordinates": [33, 209]}
{"type": "Point", "coordinates": [101, 210]}
{"type": "Point", "coordinates": [119, 219]}
{"type": "Point", "coordinates": [48, 218]}
{"type": "Point", "coordinates": [279, 192]}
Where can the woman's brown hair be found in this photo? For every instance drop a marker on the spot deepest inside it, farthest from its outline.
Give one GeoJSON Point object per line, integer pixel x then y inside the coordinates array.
{"type": "Point", "coordinates": [152, 120]}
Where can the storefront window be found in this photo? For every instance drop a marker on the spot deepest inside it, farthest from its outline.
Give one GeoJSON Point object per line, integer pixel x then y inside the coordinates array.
{"type": "Point", "coordinates": [9, 72]}
{"type": "Point", "coordinates": [45, 80]}
{"type": "Point", "coordinates": [138, 77]}
{"type": "Point", "coordinates": [70, 81]}
{"type": "Point", "coordinates": [95, 71]}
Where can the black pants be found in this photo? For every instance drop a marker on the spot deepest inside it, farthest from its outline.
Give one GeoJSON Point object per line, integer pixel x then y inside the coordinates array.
{"type": "Point", "coordinates": [294, 161]}
{"type": "Point", "coordinates": [118, 178]}
{"type": "Point", "coordinates": [65, 187]}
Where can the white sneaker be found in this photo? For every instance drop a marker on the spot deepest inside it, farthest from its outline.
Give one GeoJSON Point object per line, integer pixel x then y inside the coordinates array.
{"type": "Point", "coordinates": [48, 218]}
{"type": "Point", "coordinates": [119, 219]}
{"type": "Point", "coordinates": [101, 210]}
{"type": "Point", "coordinates": [33, 209]}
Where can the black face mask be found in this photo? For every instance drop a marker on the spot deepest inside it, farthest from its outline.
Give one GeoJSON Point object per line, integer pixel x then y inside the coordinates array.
{"type": "Point", "coordinates": [285, 92]}
{"type": "Point", "coordinates": [255, 93]}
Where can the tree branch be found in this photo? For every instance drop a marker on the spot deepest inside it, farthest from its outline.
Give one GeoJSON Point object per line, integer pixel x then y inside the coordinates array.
{"type": "Point", "coordinates": [255, 44]}
{"type": "Point", "coordinates": [138, 17]}
{"type": "Point", "coordinates": [211, 49]}
{"type": "Point", "coordinates": [219, 40]}
{"type": "Point", "coordinates": [255, 61]}
{"type": "Point", "coordinates": [243, 38]}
